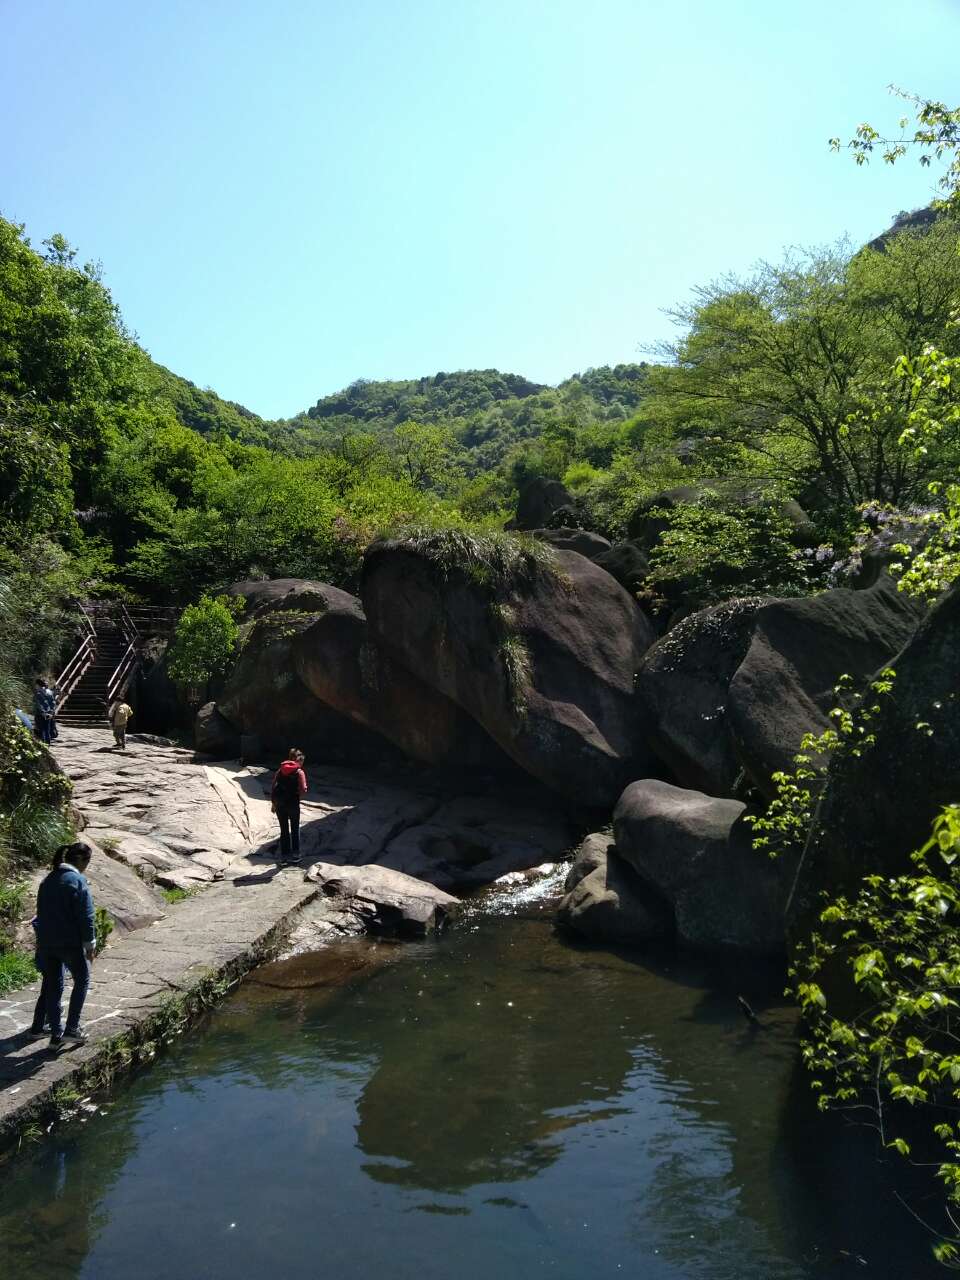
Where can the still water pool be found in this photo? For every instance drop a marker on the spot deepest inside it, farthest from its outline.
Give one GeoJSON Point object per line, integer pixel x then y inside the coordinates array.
{"type": "Point", "coordinates": [495, 1104]}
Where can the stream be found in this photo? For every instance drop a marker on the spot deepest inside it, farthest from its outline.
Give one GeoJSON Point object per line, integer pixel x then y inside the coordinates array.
{"type": "Point", "coordinates": [497, 1102]}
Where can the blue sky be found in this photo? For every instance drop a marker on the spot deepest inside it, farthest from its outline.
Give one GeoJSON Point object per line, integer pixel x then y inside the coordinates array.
{"type": "Point", "coordinates": [286, 196]}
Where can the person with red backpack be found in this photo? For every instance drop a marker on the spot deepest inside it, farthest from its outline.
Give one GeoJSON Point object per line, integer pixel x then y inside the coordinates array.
{"type": "Point", "coordinates": [289, 784]}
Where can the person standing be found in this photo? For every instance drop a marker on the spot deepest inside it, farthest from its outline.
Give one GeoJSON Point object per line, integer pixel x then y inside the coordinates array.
{"type": "Point", "coordinates": [289, 784]}
{"type": "Point", "coordinates": [66, 937]}
{"type": "Point", "coordinates": [119, 718]}
{"type": "Point", "coordinates": [44, 711]}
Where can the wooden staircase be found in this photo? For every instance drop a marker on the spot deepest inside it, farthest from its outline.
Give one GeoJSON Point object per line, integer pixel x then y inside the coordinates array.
{"type": "Point", "coordinates": [106, 660]}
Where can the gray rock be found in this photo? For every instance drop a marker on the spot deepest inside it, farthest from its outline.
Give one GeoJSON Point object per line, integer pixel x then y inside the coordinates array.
{"type": "Point", "coordinates": [606, 901]}
{"type": "Point", "coordinates": [337, 660]}
{"type": "Point", "coordinates": [583, 541]}
{"type": "Point", "coordinates": [784, 686]}
{"type": "Point", "coordinates": [214, 735]}
{"type": "Point", "coordinates": [538, 499]}
{"type": "Point", "coordinates": [879, 807]}
{"type": "Point", "coordinates": [627, 562]}
{"type": "Point", "coordinates": [544, 663]}
{"type": "Point", "coordinates": [385, 900]}
{"type": "Point", "coordinates": [683, 684]}
{"type": "Point", "coordinates": [697, 854]}
{"type": "Point", "coordinates": [470, 842]}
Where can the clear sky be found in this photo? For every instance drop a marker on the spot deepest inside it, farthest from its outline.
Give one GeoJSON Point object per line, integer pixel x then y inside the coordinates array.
{"type": "Point", "coordinates": [288, 195]}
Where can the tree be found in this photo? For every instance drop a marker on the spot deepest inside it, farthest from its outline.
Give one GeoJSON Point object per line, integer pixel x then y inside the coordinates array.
{"type": "Point", "coordinates": [796, 364]}
{"type": "Point", "coordinates": [204, 643]}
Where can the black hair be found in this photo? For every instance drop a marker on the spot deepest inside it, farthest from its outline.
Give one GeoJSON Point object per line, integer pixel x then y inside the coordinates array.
{"type": "Point", "coordinates": [77, 853]}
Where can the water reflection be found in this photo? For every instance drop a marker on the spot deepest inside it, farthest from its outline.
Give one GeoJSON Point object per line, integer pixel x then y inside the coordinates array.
{"type": "Point", "coordinates": [500, 1097]}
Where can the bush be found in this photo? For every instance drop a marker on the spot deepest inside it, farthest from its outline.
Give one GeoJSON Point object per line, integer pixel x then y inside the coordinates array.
{"type": "Point", "coordinates": [896, 1057]}
{"type": "Point", "coordinates": [205, 641]}
{"type": "Point", "coordinates": [711, 551]}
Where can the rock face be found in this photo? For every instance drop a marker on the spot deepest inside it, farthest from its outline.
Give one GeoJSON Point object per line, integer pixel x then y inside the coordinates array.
{"type": "Point", "coordinates": [538, 500]}
{"type": "Point", "coordinates": [697, 854]}
{"type": "Point", "coordinates": [582, 541]}
{"type": "Point", "coordinates": [878, 808]}
{"type": "Point", "coordinates": [734, 688]}
{"type": "Point", "coordinates": [627, 562]}
{"type": "Point", "coordinates": [263, 696]}
{"type": "Point", "coordinates": [386, 901]}
{"type": "Point", "coordinates": [337, 662]}
{"type": "Point", "coordinates": [683, 685]}
{"type": "Point", "coordinates": [784, 686]}
{"type": "Point", "coordinates": [544, 662]}
{"type": "Point", "coordinates": [287, 595]}
{"type": "Point", "coordinates": [606, 901]}
{"type": "Point", "coordinates": [215, 736]}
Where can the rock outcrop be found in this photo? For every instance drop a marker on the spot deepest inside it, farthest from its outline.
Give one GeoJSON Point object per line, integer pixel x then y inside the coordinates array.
{"type": "Point", "coordinates": [627, 562]}
{"type": "Point", "coordinates": [384, 900]}
{"type": "Point", "coordinates": [215, 736]}
{"type": "Point", "coordinates": [784, 686]}
{"type": "Point", "coordinates": [606, 901]}
{"type": "Point", "coordinates": [265, 698]}
{"type": "Point", "coordinates": [697, 854]}
{"type": "Point", "coordinates": [683, 685]}
{"type": "Point", "coordinates": [583, 541]}
{"type": "Point", "coordinates": [537, 502]}
{"type": "Point", "coordinates": [544, 659]}
{"type": "Point", "coordinates": [338, 663]}
{"type": "Point", "coordinates": [734, 688]}
{"type": "Point", "coordinates": [878, 807]}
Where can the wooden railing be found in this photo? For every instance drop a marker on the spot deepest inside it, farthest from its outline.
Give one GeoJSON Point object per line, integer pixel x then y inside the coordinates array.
{"type": "Point", "coordinates": [81, 662]}
{"type": "Point", "coordinates": [117, 684]}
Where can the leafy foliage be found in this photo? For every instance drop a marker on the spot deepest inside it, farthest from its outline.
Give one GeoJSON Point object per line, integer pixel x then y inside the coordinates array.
{"type": "Point", "coordinates": [205, 641]}
{"type": "Point", "coordinates": [712, 549]}
{"type": "Point", "coordinates": [785, 825]}
{"type": "Point", "coordinates": [897, 942]}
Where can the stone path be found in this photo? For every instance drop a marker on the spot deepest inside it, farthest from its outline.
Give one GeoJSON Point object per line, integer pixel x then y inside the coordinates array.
{"type": "Point", "coordinates": [161, 818]}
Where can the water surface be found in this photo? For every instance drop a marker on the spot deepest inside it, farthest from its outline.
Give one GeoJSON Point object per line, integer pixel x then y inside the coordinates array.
{"type": "Point", "coordinates": [498, 1103]}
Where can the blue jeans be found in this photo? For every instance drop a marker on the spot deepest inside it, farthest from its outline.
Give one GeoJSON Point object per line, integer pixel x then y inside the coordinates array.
{"type": "Point", "coordinates": [52, 963]}
{"type": "Point", "coordinates": [45, 728]}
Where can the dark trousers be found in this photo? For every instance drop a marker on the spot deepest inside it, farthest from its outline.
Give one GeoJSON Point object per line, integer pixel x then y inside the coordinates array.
{"type": "Point", "coordinates": [45, 727]}
{"type": "Point", "coordinates": [40, 1008]}
{"type": "Point", "coordinates": [52, 964]}
{"type": "Point", "coordinates": [288, 816]}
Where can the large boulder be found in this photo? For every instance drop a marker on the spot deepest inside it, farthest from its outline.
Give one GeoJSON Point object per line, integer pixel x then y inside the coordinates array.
{"type": "Point", "coordinates": [730, 691]}
{"type": "Point", "coordinates": [878, 807]}
{"type": "Point", "coordinates": [336, 660]}
{"type": "Point", "coordinates": [582, 541]}
{"type": "Point", "coordinates": [799, 649]}
{"type": "Point", "coordinates": [264, 697]}
{"type": "Point", "coordinates": [385, 900]}
{"type": "Point", "coordinates": [284, 595]}
{"type": "Point", "coordinates": [627, 562]}
{"type": "Point", "coordinates": [697, 853]}
{"type": "Point", "coordinates": [215, 736]}
{"type": "Point", "coordinates": [606, 901]}
{"type": "Point", "coordinates": [541, 653]}
{"type": "Point", "coordinates": [683, 683]}
{"type": "Point", "coordinates": [537, 502]}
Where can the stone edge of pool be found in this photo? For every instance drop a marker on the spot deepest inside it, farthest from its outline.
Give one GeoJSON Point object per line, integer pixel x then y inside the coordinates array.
{"type": "Point", "coordinates": [155, 981]}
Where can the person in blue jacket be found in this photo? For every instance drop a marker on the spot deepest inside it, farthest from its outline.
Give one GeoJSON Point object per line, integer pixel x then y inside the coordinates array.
{"type": "Point", "coordinates": [66, 937]}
